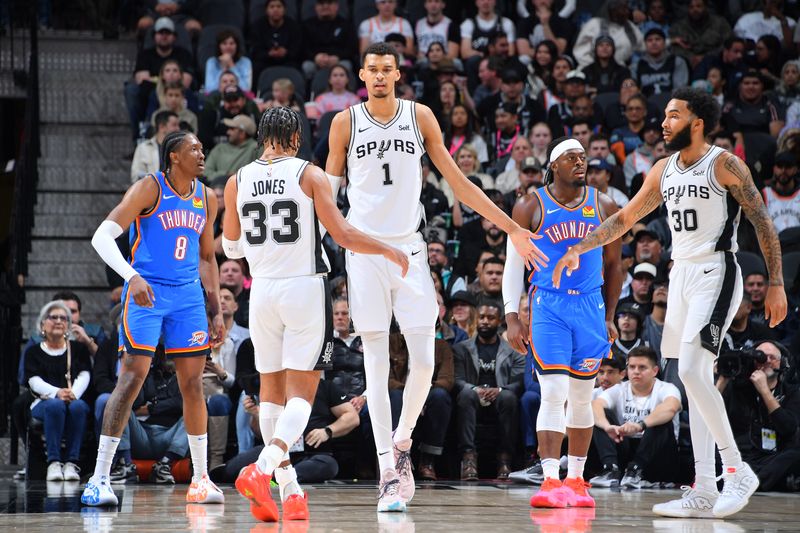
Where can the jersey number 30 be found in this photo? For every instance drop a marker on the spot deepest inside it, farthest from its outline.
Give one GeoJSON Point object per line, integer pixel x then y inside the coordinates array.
{"type": "Point", "coordinates": [684, 220]}
{"type": "Point", "coordinates": [287, 233]}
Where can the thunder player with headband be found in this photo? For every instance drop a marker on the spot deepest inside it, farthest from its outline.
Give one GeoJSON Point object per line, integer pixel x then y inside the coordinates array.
{"type": "Point", "coordinates": [272, 209]}
{"type": "Point", "coordinates": [705, 188]}
{"type": "Point", "coordinates": [572, 326]}
{"type": "Point", "coordinates": [172, 250]}
{"type": "Point", "coordinates": [381, 143]}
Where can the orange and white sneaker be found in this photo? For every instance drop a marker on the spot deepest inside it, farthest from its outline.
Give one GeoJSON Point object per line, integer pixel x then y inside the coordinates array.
{"type": "Point", "coordinates": [551, 495]}
{"type": "Point", "coordinates": [203, 490]}
{"type": "Point", "coordinates": [254, 485]}
{"type": "Point", "coordinates": [295, 507]}
{"type": "Point", "coordinates": [577, 493]}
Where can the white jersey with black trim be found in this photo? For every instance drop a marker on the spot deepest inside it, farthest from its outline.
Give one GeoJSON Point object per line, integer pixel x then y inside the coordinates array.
{"type": "Point", "coordinates": [281, 237]}
{"type": "Point", "coordinates": [702, 214]}
{"type": "Point", "coordinates": [384, 172]}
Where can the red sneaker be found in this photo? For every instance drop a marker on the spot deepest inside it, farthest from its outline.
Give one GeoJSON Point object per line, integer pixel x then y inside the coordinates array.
{"type": "Point", "coordinates": [295, 507]}
{"type": "Point", "coordinates": [577, 495]}
{"type": "Point", "coordinates": [551, 494]}
{"type": "Point", "coordinates": [254, 485]}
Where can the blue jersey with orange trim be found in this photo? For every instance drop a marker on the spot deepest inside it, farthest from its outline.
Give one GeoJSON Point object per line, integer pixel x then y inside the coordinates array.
{"type": "Point", "coordinates": [165, 242]}
{"type": "Point", "coordinates": [562, 227]}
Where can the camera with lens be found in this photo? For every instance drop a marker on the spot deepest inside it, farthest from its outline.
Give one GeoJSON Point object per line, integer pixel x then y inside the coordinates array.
{"type": "Point", "coordinates": [738, 365]}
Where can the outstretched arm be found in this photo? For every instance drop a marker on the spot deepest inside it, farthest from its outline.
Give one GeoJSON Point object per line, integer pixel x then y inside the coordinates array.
{"type": "Point", "coordinates": [471, 195]}
{"type": "Point", "coordinates": [733, 174]}
{"type": "Point", "coordinates": [615, 226]}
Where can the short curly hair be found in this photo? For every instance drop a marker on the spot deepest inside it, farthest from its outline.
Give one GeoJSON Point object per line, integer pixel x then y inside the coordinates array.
{"type": "Point", "coordinates": [701, 104]}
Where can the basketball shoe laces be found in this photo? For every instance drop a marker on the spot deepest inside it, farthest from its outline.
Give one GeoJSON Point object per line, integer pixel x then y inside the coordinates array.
{"type": "Point", "coordinates": [404, 464]}
{"type": "Point", "coordinates": [390, 488]}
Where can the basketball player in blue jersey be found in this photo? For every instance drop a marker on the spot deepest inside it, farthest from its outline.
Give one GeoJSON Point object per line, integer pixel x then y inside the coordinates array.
{"type": "Point", "coordinates": [572, 326]}
{"type": "Point", "coordinates": [704, 188]}
{"type": "Point", "coordinates": [380, 143]}
{"type": "Point", "coordinates": [170, 215]}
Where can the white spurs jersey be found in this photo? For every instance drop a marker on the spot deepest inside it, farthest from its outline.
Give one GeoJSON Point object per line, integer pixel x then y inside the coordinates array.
{"type": "Point", "coordinates": [281, 237]}
{"type": "Point", "coordinates": [702, 214]}
{"type": "Point", "coordinates": [384, 172]}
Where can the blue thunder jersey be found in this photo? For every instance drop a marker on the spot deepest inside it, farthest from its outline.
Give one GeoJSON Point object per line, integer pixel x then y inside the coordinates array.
{"type": "Point", "coordinates": [165, 241]}
{"type": "Point", "coordinates": [562, 227]}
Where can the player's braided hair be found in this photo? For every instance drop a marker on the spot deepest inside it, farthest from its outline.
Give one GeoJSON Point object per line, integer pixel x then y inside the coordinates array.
{"type": "Point", "coordinates": [172, 142]}
{"type": "Point", "coordinates": [278, 126]}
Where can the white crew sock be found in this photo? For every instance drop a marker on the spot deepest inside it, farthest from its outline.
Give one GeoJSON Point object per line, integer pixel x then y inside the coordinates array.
{"type": "Point", "coordinates": [198, 447]}
{"type": "Point", "coordinates": [106, 449]}
{"type": "Point", "coordinates": [418, 384]}
{"type": "Point", "coordinates": [575, 466]}
{"type": "Point", "coordinates": [550, 468]}
{"type": "Point", "coordinates": [287, 481]}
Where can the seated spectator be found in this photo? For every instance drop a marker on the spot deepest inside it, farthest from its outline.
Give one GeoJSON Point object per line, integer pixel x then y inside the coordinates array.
{"type": "Point", "coordinates": [58, 372]}
{"type": "Point", "coordinates": [699, 34]}
{"type": "Point", "coordinates": [398, 42]}
{"type": "Point", "coordinates": [629, 322]}
{"type": "Point", "coordinates": [463, 313]}
{"type": "Point", "coordinates": [179, 11]}
{"type": "Point", "coordinates": [337, 97]}
{"type": "Point", "coordinates": [512, 99]}
{"type": "Point", "coordinates": [375, 29]}
{"type": "Point", "coordinates": [531, 177]}
{"type": "Point", "coordinates": [755, 284]}
{"type": "Point", "coordinates": [540, 68]}
{"type": "Point", "coordinates": [730, 61]}
{"type": "Point", "coordinates": [612, 372]}
{"type": "Point", "coordinates": [543, 24]}
{"type": "Point", "coordinates": [435, 27]}
{"type": "Point", "coordinates": [89, 334]}
{"type": "Point", "coordinates": [445, 330]}
{"type": "Point", "coordinates": [765, 405]}
{"type": "Point", "coordinates": [175, 101]}
{"type": "Point", "coordinates": [231, 275]}
{"type": "Point", "coordinates": [214, 98]}
{"type": "Point", "coordinates": [229, 57]}
{"type": "Point", "coordinates": [716, 80]}
{"type": "Point", "coordinates": [656, 17]}
{"type": "Point", "coordinates": [530, 401]}
{"type": "Point", "coordinates": [540, 136]}
{"type": "Point", "coordinates": [744, 332]}
{"type": "Point", "coordinates": [438, 261]}
{"type": "Point", "coordinates": [170, 73]}
{"type": "Point", "coordinates": [275, 39]}
{"type": "Point", "coordinates": [626, 36]}
{"type": "Point", "coordinates": [481, 238]}
{"type": "Point", "coordinates": [628, 138]}
{"type": "Point", "coordinates": [218, 378]}
{"type": "Point", "coordinates": [561, 115]}
{"type": "Point", "coordinates": [249, 380]}
{"type": "Point", "coordinates": [155, 428]}
{"type": "Point", "coordinates": [659, 71]}
{"type": "Point", "coordinates": [508, 179]}
{"type": "Point", "coordinates": [348, 353]}
{"type": "Point", "coordinates": [641, 293]}
{"type": "Point", "coordinates": [654, 322]}
{"type": "Point", "coordinates": [636, 424]}
{"type": "Point", "coordinates": [146, 157]}
{"type": "Point", "coordinates": [504, 137]}
{"type": "Point", "coordinates": [489, 75]}
{"type": "Point", "coordinates": [554, 92]}
{"type": "Point", "coordinates": [332, 417]}
{"type": "Point", "coordinates": [649, 249]}
{"type": "Point", "coordinates": [432, 427]}
{"type": "Point", "coordinates": [489, 382]}
{"type": "Point", "coordinates": [644, 156]}
{"type": "Point", "coordinates": [147, 68]}
{"type": "Point", "coordinates": [282, 95]}
{"type": "Point", "coordinates": [615, 115]}
{"type": "Point", "coordinates": [600, 148]}
{"type": "Point", "coordinates": [460, 130]}
{"type": "Point", "coordinates": [598, 175]}
{"type": "Point", "coordinates": [328, 38]}
{"type": "Point", "coordinates": [490, 280]}
{"type": "Point", "coordinates": [241, 149]}
{"type": "Point", "coordinates": [769, 21]}
{"type": "Point", "coordinates": [788, 88]}
{"type": "Point", "coordinates": [212, 128]}
{"type": "Point", "coordinates": [476, 31]}
{"type": "Point", "coordinates": [753, 110]}
{"type": "Point", "coordinates": [768, 59]}
{"type": "Point", "coordinates": [781, 198]}
{"type": "Point", "coordinates": [604, 74]}
{"type": "Point", "coordinates": [467, 159]}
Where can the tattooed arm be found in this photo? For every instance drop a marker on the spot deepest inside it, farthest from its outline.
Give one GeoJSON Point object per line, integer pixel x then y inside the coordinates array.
{"type": "Point", "coordinates": [733, 174]}
{"type": "Point", "coordinates": [646, 200]}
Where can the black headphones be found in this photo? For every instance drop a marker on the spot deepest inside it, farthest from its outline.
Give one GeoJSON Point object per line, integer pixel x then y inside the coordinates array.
{"type": "Point", "coordinates": [785, 354]}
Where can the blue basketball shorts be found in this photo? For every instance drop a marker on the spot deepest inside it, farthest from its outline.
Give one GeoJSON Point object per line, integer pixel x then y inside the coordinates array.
{"type": "Point", "coordinates": [178, 319]}
{"type": "Point", "coordinates": [568, 333]}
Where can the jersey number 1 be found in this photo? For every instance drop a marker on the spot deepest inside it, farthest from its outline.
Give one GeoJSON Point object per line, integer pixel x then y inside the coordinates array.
{"type": "Point", "coordinates": [387, 179]}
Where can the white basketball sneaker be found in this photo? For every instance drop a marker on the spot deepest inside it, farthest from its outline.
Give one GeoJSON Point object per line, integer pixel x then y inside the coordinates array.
{"type": "Point", "coordinates": [694, 503]}
{"type": "Point", "coordinates": [98, 492]}
{"type": "Point", "coordinates": [739, 485]}
{"type": "Point", "coordinates": [389, 499]}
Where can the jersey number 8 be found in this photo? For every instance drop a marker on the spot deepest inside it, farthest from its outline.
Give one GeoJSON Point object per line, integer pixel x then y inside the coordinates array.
{"type": "Point", "coordinates": [287, 233]}
{"type": "Point", "coordinates": [181, 243]}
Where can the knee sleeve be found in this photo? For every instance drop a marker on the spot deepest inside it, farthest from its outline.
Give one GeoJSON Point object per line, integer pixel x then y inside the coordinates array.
{"type": "Point", "coordinates": [292, 421]}
{"type": "Point", "coordinates": [579, 403]}
{"type": "Point", "coordinates": [554, 395]}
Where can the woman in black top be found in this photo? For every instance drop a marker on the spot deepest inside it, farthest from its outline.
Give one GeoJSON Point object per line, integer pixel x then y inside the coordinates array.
{"type": "Point", "coordinates": [58, 374]}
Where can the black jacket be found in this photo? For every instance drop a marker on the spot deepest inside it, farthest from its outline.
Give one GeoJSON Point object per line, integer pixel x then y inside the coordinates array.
{"type": "Point", "coordinates": [348, 367]}
{"type": "Point", "coordinates": [105, 367]}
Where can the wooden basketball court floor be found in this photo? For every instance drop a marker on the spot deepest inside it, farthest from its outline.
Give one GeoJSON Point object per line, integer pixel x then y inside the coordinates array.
{"type": "Point", "coordinates": [486, 507]}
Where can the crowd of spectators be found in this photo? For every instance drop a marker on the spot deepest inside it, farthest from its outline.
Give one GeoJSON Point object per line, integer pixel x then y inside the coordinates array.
{"type": "Point", "coordinates": [503, 78]}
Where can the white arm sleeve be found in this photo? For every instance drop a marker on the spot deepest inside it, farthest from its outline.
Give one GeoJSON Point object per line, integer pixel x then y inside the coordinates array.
{"type": "Point", "coordinates": [42, 388]}
{"type": "Point", "coordinates": [80, 384]}
{"type": "Point", "coordinates": [513, 285]}
{"type": "Point", "coordinates": [233, 249]}
{"type": "Point", "coordinates": [103, 242]}
{"type": "Point", "coordinates": [336, 182]}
